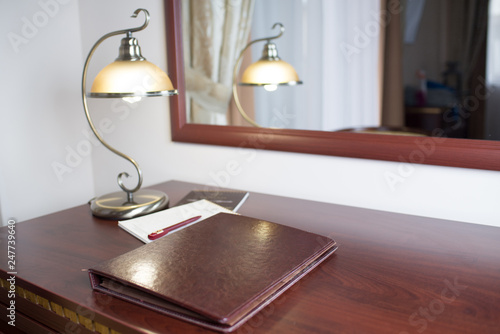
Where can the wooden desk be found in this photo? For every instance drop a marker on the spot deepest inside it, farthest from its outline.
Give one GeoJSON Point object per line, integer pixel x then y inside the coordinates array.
{"type": "Point", "coordinates": [392, 273]}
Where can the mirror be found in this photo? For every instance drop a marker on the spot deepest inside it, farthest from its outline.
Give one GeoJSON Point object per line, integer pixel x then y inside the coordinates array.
{"type": "Point", "coordinates": [468, 153]}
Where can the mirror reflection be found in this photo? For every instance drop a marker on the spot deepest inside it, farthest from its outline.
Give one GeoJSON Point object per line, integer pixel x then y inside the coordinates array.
{"type": "Point", "coordinates": [369, 65]}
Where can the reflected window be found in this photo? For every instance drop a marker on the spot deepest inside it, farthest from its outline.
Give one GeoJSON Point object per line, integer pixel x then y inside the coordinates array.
{"type": "Point", "coordinates": [334, 46]}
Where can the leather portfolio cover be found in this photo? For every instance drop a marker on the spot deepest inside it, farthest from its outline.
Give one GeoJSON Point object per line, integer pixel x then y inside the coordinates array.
{"type": "Point", "coordinates": [217, 273]}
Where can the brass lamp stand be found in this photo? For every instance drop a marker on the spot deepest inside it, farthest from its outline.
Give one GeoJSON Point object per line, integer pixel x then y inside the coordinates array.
{"type": "Point", "coordinates": [130, 77]}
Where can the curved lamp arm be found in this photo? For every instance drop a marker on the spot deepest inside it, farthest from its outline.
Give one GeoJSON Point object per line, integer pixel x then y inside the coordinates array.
{"type": "Point", "coordinates": [87, 114]}
{"type": "Point", "coordinates": [237, 66]}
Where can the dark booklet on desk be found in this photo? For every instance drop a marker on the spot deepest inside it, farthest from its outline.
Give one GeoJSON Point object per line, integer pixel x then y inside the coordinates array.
{"type": "Point", "coordinates": [229, 199]}
{"type": "Point", "coordinates": [217, 273]}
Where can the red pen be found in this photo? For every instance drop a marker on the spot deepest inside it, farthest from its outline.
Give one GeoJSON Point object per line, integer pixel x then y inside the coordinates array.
{"type": "Point", "coordinates": [166, 230]}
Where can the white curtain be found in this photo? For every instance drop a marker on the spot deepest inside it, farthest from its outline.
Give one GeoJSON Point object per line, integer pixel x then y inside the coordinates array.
{"type": "Point", "coordinates": [214, 31]}
{"type": "Point", "coordinates": [334, 46]}
{"type": "Point", "coordinates": [493, 73]}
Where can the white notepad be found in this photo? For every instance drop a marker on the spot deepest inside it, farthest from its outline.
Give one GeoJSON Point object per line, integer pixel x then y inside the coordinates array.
{"type": "Point", "coordinates": [141, 227]}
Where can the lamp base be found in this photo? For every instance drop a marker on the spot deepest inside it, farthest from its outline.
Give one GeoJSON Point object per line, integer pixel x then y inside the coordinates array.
{"type": "Point", "coordinates": [117, 206]}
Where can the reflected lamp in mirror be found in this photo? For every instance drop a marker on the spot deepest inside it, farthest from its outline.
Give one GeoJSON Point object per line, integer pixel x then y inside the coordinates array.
{"type": "Point", "coordinates": [270, 71]}
{"type": "Point", "coordinates": [130, 77]}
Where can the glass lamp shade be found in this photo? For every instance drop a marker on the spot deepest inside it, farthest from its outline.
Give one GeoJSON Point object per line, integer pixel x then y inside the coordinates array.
{"type": "Point", "coordinates": [270, 72]}
{"type": "Point", "coordinates": [125, 78]}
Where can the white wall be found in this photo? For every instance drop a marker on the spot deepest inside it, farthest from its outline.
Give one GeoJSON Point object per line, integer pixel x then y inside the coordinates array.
{"type": "Point", "coordinates": [41, 112]}
{"type": "Point", "coordinates": [39, 128]}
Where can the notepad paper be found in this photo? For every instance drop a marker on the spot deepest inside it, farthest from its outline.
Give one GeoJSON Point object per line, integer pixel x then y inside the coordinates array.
{"type": "Point", "coordinates": [141, 227]}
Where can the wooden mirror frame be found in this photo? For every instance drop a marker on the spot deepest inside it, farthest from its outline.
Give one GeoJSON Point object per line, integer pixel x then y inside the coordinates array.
{"type": "Point", "coordinates": [440, 151]}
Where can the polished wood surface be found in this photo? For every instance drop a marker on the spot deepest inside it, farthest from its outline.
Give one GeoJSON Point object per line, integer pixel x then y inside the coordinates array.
{"type": "Point", "coordinates": [392, 273]}
{"type": "Point", "coordinates": [442, 151]}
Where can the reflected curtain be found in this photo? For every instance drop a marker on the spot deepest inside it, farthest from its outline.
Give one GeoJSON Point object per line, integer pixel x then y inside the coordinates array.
{"type": "Point", "coordinates": [467, 27]}
{"type": "Point", "coordinates": [392, 104]}
{"type": "Point", "coordinates": [214, 31]}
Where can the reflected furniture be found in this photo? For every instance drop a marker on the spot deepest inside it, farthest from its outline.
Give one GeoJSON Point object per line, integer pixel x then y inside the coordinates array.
{"type": "Point", "coordinates": [390, 130]}
{"type": "Point", "coordinates": [392, 273]}
{"type": "Point", "coordinates": [430, 118]}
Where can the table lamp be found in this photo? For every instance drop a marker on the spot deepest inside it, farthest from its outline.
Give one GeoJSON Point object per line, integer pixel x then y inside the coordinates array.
{"type": "Point", "coordinates": [269, 71]}
{"type": "Point", "coordinates": [130, 77]}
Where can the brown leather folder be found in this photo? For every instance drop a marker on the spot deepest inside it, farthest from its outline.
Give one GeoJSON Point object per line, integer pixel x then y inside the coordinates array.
{"type": "Point", "coordinates": [217, 273]}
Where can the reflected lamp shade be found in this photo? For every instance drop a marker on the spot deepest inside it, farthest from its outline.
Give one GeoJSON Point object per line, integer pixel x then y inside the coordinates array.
{"type": "Point", "coordinates": [270, 70]}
